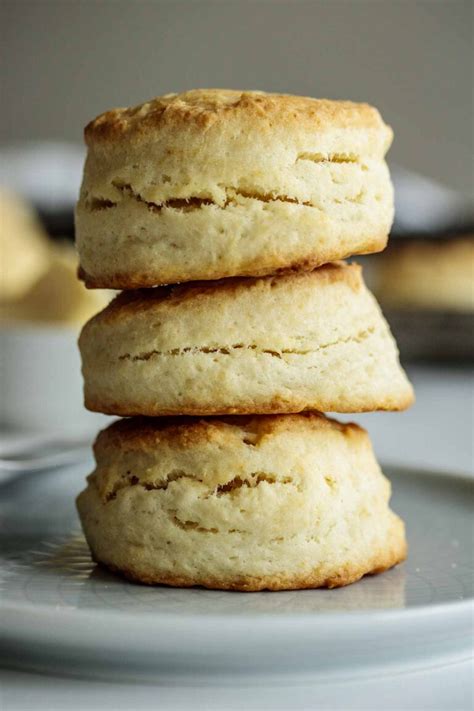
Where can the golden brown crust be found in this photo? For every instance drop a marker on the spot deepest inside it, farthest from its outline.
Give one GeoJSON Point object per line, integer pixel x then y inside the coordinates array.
{"type": "Point", "coordinates": [383, 561]}
{"type": "Point", "coordinates": [202, 109]}
{"type": "Point", "coordinates": [146, 432]}
{"type": "Point", "coordinates": [129, 303]}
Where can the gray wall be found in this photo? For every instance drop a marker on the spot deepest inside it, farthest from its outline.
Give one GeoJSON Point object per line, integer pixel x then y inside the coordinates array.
{"type": "Point", "coordinates": [67, 60]}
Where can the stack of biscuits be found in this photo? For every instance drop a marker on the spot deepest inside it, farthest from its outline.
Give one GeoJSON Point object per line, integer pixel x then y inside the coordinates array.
{"type": "Point", "coordinates": [221, 216]}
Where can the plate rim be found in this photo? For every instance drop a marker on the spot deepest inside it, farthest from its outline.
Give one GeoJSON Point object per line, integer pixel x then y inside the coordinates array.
{"type": "Point", "coordinates": [293, 646]}
{"type": "Point", "coordinates": [387, 615]}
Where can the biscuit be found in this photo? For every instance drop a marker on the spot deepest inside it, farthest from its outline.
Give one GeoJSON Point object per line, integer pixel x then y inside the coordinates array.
{"type": "Point", "coordinates": [213, 183]}
{"type": "Point", "coordinates": [431, 275]}
{"type": "Point", "coordinates": [56, 296]}
{"type": "Point", "coordinates": [301, 341]}
{"type": "Point", "coordinates": [24, 247]}
{"type": "Point", "coordinates": [253, 503]}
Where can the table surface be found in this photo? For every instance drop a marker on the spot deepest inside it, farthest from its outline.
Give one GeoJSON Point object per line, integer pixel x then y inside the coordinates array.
{"type": "Point", "coordinates": [436, 433]}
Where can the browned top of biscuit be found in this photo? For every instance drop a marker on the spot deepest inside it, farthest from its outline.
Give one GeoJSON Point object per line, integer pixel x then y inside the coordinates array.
{"type": "Point", "coordinates": [145, 433]}
{"type": "Point", "coordinates": [203, 108]}
{"type": "Point", "coordinates": [129, 303]}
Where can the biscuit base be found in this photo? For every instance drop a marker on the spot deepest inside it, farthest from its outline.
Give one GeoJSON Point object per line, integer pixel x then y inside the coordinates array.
{"type": "Point", "coordinates": [270, 407]}
{"type": "Point", "coordinates": [151, 275]}
{"type": "Point", "coordinates": [337, 579]}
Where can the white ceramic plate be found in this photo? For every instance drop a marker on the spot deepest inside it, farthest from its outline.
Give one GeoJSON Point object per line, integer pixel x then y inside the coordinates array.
{"type": "Point", "coordinates": [61, 613]}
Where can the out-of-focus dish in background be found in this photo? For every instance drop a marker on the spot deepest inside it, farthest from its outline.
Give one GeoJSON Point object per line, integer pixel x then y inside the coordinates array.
{"type": "Point", "coordinates": [424, 280]}
{"type": "Point", "coordinates": [42, 307]}
{"type": "Point", "coordinates": [426, 288]}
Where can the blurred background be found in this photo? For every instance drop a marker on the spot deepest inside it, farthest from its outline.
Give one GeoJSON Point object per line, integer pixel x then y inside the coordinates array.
{"type": "Point", "coordinates": [65, 61]}
{"type": "Point", "coordinates": [70, 60]}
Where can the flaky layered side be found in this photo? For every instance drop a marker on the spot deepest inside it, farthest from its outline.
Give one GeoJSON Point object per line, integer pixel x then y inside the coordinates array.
{"type": "Point", "coordinates": [212, 183]}
{"type": "Point", "coordinates": [251, 503]}
{"type": "Point", "coordinates": [309, 340]}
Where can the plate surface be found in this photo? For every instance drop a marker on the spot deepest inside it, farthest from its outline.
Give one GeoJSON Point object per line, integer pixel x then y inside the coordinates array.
{"type": "Point", "coordinates": [60, 611]}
